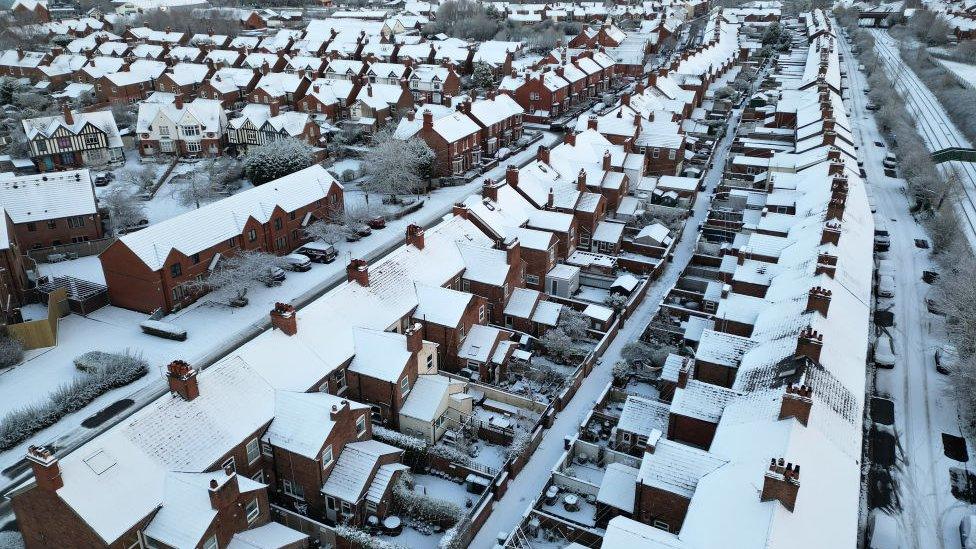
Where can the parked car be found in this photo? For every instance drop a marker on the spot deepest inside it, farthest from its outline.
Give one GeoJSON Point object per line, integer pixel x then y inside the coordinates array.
{"type": "Point", "coordinates": [319, 252]}
{"type": "Point", "coordinates": [884, 355]}
{"type": "Point", "coordinates": [890, 161]}
{"type": "Point", "coordinates": [967, 527]}
{"type": "Point", "coordinates": [886, 286]}
{"type": "Point", "coordinates": [883, 531]}
{"type": "Point", "coordinates": [871, 107]}
{"type": "Point", "coordinates": [104, 178]}
{"type": "Point", "coordinates": [946, 357]}
{"type": "Point", "coordinates": [879, 143]}
{"type": "Point", "coordinates": [362, 229]}
{"type": "Point", "coordinates": [298, 262]}
{"type": "Point", "coordinates": [274, 277]}
{"type": "Point", "coordinates": [377, 223]}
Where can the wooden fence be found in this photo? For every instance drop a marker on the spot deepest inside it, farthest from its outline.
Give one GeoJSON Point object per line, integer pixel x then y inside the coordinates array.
{"type": "Point", "coordinates": [43, 332]}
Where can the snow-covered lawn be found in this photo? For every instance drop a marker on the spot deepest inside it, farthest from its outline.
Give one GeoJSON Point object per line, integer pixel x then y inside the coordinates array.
{"type": "Point", "coordinates": [213, 329]}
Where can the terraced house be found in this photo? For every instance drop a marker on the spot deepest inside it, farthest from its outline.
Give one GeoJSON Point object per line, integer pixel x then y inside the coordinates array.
{"type": "Point", "coordinates": [73, 140]}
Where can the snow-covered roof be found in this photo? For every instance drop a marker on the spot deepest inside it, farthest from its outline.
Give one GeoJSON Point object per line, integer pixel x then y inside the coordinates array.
{"type": "Point", "coordinates": [52, 195]}
{"type": "Point", "coordinates": [522, 303]}
{"type": "Point", "coordinates": [272, 535]}
{"type": "Point", "coordinates": [479, 344]}
{"type": "Point", "coordinates": [641, 416]}
{"type": "Point", "coordinates": [46, 126]}
{"type": "Point", "coordinates": [484, 264]}
{"type": "Point", "coordinates": [353, 473]}
{"type": "Point", "coordinates": [380, 355]}
{"type": "Point", "coordinates": [618, 487]}
{"type": "Point", "coordinates": [303, 421]}
{"type": "Point", "coordinates": [493, 111]}
{"type": "Point", "coordinates": [199, 229]}
{"type": "Point", "coordinates": [428, 397]}
{"type": "Point", "coordinates": [442, 306]}
{"type": "Point", "coordinates": [677, 468]}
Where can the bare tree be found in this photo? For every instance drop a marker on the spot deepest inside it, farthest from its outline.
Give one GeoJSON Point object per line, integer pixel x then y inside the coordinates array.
{"type": "Point", "coordinates": [124, 206]}
{"type": "Point", "coordinates": [573, 323]}
{"type": "Point", "coordinates": [396, 166]}
{"type": "Point", "coordinates": [235, 274]}
{"type": "Point", "coordinates": [142, 177]}
{"type": "Point", "coordinates": [330, 233]}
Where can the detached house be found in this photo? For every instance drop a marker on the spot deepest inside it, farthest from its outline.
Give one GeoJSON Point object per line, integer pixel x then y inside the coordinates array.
{"type": "Point", "coordinates": [264, 124]}
{"type": "Point", "coordinates": [51, 209]}
{"type": "Point", "coordinates": [166, 125]}
{"type": "Point", "coordinates": [149, 269]}
{"type": "Point", "coordinates": [73, 140]}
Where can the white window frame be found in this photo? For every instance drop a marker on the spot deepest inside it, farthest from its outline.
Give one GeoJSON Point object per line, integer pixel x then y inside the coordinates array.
{"type": "Point", "coordinates": [292, 489]}
{"type": "Point", "coordinates": [211, 543]}
{"type": "Point", "coordinates": [229, 461]}
{"type": "Point", "coordinates": [253, 448]}
{"type": "Point", "coordinates": [405, 386]}
{"type": "Point", "coordinates": [193, 146]}
{"type": "Point", "coordinates": [258, 477]}
{"type": "Point", "coordinates": [252, 514]}
{"type": "Point", "coordinates": [531, 279]}
{"type": "Point", "coordinates": [266, 448]}
{"type": "Point", "coordinates": [331, 457]}
{"type": "Point", "coordinates": [361, 425]}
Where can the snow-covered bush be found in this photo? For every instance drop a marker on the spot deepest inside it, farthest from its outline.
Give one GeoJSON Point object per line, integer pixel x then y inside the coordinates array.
{"type": "Point", "coordinates": [278, 159]}
{"type": "Point", "coordinates": [450, 539]}
{"type": "Point", "coordinates": [519, 443]}
{"type": "Point", "coordinates": [556, 342]}
{"type": "Point", "coordinates": [11, 351]}
{"type": "Point", "coordinates": [450, 454]}
{"type": "Point", "coordinates": [620, 372]}
{"type": "Point", "coordinates": [11, 540]}
{"type": "Point", "coordinates": [423, 507]}
{"type": "Point", "coordinates": [399, 439]}
{"type": "Point", "coordinates": [573, 323]}
{"type": "Point", "coordinates": [362, 538]}
{"type": "Point", "coordinates": [617, 302]}
{"type": "Point", "coordinates": [70, 397]}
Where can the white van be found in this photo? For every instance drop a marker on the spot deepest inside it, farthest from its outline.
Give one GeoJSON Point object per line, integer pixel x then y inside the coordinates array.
{"type": "Point", "coordinates": [884, 356]}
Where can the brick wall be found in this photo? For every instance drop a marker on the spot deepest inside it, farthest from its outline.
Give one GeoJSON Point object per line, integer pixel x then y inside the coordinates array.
{"type": "Point", "coordinates": [654, 504]}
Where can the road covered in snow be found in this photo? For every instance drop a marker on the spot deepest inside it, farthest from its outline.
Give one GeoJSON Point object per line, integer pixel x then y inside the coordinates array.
{"type": "Point", "coordinates": [924, 409]}
{"type": "Point", "coordinates": [508, 511]}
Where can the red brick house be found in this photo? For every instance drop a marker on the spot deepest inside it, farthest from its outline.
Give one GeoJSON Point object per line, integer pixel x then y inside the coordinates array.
{"type": "Point", "coordinates": [52, 209]}
{"type": "Point", "coordinates": [230, 86]}
{"type": "Point", "coordinates": [500, 118]}
{"type": "Point", "coordinates": [543, 94]}
{"type": "Point", "coordinates": [454, 137]}
{"type": "Point", "coordinates": [14, 283]}
{"type": "Point", "coordinates": [447, 316]}
{"type": "Point", "coordinates": [150, 269]}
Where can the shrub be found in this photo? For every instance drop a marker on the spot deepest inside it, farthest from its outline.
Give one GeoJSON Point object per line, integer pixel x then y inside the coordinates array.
{"type": "Point", "coordinates": [19, 424]}
{"type": "Point", "coordinates": [423, 507]}
{"type": "Point", "coordinates": [11, 351]}
{"type": "Point", "coordinates": [363, 539]}
{"type": "Point", "coordinates": [11, 540]}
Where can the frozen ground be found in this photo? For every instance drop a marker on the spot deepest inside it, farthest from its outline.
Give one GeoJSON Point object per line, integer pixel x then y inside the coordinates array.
{"type": "Point", "coordinates": [965, 71]}
{"type": "Point", "coordinates": [923, 408]}
{"type": "Point", "coordinates": [213, 329]}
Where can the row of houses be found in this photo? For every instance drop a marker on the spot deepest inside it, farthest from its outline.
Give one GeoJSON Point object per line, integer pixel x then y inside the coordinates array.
{"type": "Point", "coordinates": [763, 414]}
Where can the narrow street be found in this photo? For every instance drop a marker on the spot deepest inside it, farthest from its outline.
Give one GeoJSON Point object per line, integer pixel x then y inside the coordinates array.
{"type": "Point", "coordinates": [930, 514]}
{"type": "Point", "coordinates": [509, 510]}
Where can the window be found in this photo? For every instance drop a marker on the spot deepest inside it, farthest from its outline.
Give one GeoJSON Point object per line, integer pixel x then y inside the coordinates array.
{"type": "Point", "coordinates": [430, 361]}
{"type": "Point", "coordinates": [656, 152]}
{"type": "Point", "coordinates": [346, 508]}
{"type": "Point", "coordinates": [465, 285]}
{"type": "Point", "coordinates": [361, 425]}
{"type": "Point", "coordinates": [277, 223]}
{"type": "Point", "coordinates": [76, 221]}
{"type": "Point", "coordinates": [258, 477]}
{"type": "Point", "coordinates": [533, 96]}
{"type": "Point", "coordinates": [252, 235]}
{"type": "Point", "coordinates": [340, 380]}
{"type": "Point", "coordinates": [231, 464]}
{"type": "Point", "coordinates": [253, 452]}
{"type": "Point", "coordinates": [191, 131]}
{"type": "Point", "coordinates": [232, 242]}
{"type": "Point", "coordinates": [266, 449]}
{"type": "Point", "coordinates": [192, 146]}
{"type": "Point", "coordinates": [179, 293]}
{"type": "Point", "coordinates": [195, 258]}
{"type": "Point", "coordinates": [41, 146]}
{"type": "Point", "coordinates": [330, 502]}
{"type": "Point", "coordinates": [531, 279]}
{"type": "Point", "coordinates": [52, 223]}
{"type": "Point", "coordinates": [672, 153]}
{"type": "Point", "coordinates": [505, 289]}
{"type": "Point", "coordinates": [327, 456]}
{"type": "Point", "coordinates": [292, 489]}
{"type": "Point", "coordinates": [481, 313]}
{"type": "Point", "coordinates": [625, 436]}
{"type": "Point", "coordinates": [291, 215]}
{"type": "Point", "coordinates": [252, 510]}
{"type": "Point", "coordinates": [405, 386]}
{"type": "Point", "coordinates": [64, 142]}
{"type": "Point", "coordinates": [175, 270]}
{"type": "Point", "coordinates": [211, 542]}
{"type": "Point", "coordinates": [31, 227]}
{"type": "Point", "coordinates": [164, 131]}
{"type": "Point", "coordinates": [91, 140]}
{"type": "Point", "coordinates": [281, 243]}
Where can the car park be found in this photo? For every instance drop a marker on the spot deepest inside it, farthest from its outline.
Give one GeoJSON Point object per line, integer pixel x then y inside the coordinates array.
{"type": "Point", "coordinates": [297, 262]}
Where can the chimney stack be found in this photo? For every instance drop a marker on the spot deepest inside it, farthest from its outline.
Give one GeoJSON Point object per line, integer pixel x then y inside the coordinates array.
{"type": "Point", "coordinates": [47, 472]}
{"type": "Point", "coordinates": [178, 100]}
{"type": "Point", "coordinates": [781, 483]}
{"type": "Point", "coordinates": [358, 271]}
{"type": "Point", "coordinates": [224, 494]}
{"type": "Point", "coordinates": [551, 199]}
{"type": "Point", "coordinates": [625, 99]}
{"type": "Point", "coordinates": [570, 139]}
{"type": "Point", "coordinates": [543, 154]}
{"type": "Point", "coordinates": [415, 339]}
{"type": "Point", "coordinates": [826, 264]}
{"type": "Point", "coordinates": [428, 119]}
{"type": "Point", "coordinates": [182, 380]}
{"type": "Point", "coordinates": [284, 318]}
{"type": "Point", "coordinates": [489, 190]}
{"type": "Point", "coordinates": [460, 210]}
{"type": "Point", "coordinates": [606, 161]}
{"type": "Point", "coordinates": [69, 118]}
{"type": "Point", "coordinates": [684, 373]}
{"type": "Point", "coordinates": [415, 236]}
{"type": "Point", "coordinates": [274, 108]}
{"type": "Point", "coordinates": [835, 208]}
{"type": "Point", "coordinates": [512, 175]}
{"type": "Point", "coordinates": [796, 403]}
{"type": "Point", "coordinates": [581, 181]}
{"type": "Point", "coordinates": [831, 233]}
{"type": "Point", "coordinates": [336, 413]}
{"type": "Point", "coordinates": [592, 122]}
{"type": "Point", "coordinates": [513, 251]}
{"type": "Point", "coordinates": [809, 344]}
{"type": "Point", "coordinates": [818, 299]}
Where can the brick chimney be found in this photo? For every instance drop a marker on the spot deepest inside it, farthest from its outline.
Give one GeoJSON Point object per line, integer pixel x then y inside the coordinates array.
{"type": "Point", "coordinates": [684, 373]}
{"type": "Point", "coordinates": [818, 299]}
{"type": "Point", "coordinates": [274, 108]}
{"type": "Point", "coordinates": [411, 114]}
{"type": "Point", "coordinates": [224, 494]}
{"type": "Point", "coordinates": [337, 411]}
{"type": "Point", "coordinates": [542, 155]}
{"type": "Point", "coordinates": [415, 236]}
{"type": "Point", "coordinates": [69, 118]}
{"type": "Point", "coordinates": [625, 99]}
{"type": "Point", "coordinates": [358, 271]}
{"type": "Point", "coordinates": [826, 264]}
{"type": "Point", "coordinates": [835, 208]}
{"type": "Point", "coordinates": [513, 251]}
{"type": "Point", "coordinates": [781, 483]}
{"type": "Point", "coordinates": [581, 180]}
{"type": "Point", "coordinates": [460, 210]}
{"type": "Point", "coordinates": [796, 403]}
{"type": "Point", "coordinates": [652, 80]}
{"type": "Point", "coordinates": [551, 199]}
{"type": "Point", "coordinates": [47, 472]}
{"type": "Point", "coordinates": [284, 318]}
{"type": "Point", "coordinates": [831, 233]}
{"type": "Point", "coordinates": [512, 175]}
{"type": "Point", "coordinates": [489, 190]}
{"type": "Point", "coordinates": [570, 139]}
{"type": "Point", "coordinates": [428, 119]}
{"type": "Point", "coordinates": [415, 338]}
{"type": "Point", "coordinates": [809, 343]}
{"type": "Point", "coordinates": [606, 161]}
{"type": "Point", "coordinates": [836, 168]}
{"type": "Point", "coordinates": [592, 122]}
{"type": "Point", "coordinates": [182, 380]}
{"type": "Point", "coordinates": [178, 100]}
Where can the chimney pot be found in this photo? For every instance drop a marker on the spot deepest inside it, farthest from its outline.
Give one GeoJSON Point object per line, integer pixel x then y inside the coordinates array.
{"type": "Point", "coordinates": [415, 236]}
{"type": "Point", "coordinates": [47, 471]}
{"type": "Point", "coordinates": [543, 154]}
{"type": "Point", "coordinates": [358, 271]}
{"type": "Point", "coordinates": [182, 380]}
{"type": "Point", "coordinates": [512, 175]}
{"type": "Point", "coordinates": [284, 318]}
{"type": "Point", "coordinates": [781, 483]}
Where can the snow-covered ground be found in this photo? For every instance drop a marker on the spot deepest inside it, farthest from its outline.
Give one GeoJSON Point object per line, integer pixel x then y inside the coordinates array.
{"type": "Point", "coordinates": [213, 330]}
{"type": "Point", "coordinates": [923, 407]}
{"type": "Point", "coordinates": [509, 510]}
{"type": "Point", "coordinates": [965, 71]}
